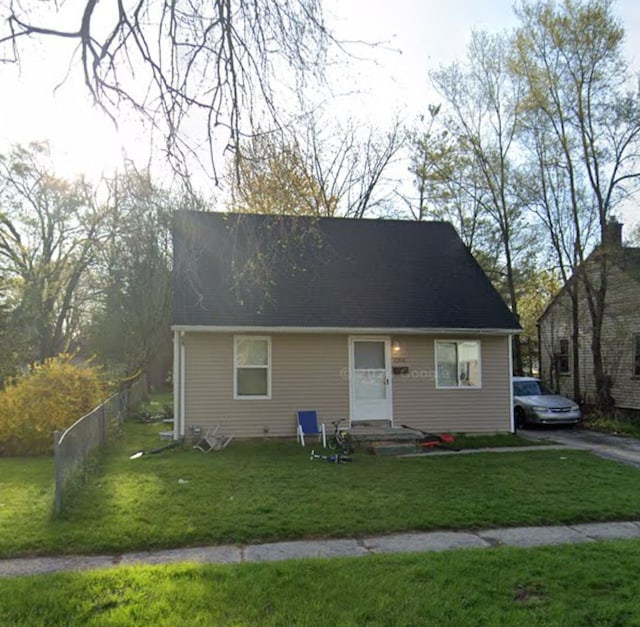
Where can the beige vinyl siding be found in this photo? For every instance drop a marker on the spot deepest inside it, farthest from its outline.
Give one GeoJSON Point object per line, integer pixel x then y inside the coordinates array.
{"type": "Point", "coordinates": [307, 372]}
{"type": "Point", "coordinates": [621, 322]}
{"type": "Point", "coordinates": [311, 372]}
{"type": "Point", "coordinates": [418, 403]}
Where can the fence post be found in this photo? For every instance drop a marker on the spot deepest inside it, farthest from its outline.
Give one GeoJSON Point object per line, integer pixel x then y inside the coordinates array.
{"type": "Point", "coordinates": [103, 425]}
{"type": "Point", "coordinates": [125, 403]}
{"type": "Point", "coordinates": [57, 464]}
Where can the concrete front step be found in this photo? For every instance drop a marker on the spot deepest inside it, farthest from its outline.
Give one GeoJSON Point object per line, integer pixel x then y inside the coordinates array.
{"type": "Point", "coordinates": [372, 431]}
{"type": "Point", "coordinates": [391, 450]}
{"type": "Point", "coordinates": [380, 438]}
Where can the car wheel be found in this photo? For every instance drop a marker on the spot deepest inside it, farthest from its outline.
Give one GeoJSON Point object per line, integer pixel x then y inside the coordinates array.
{"type": "Point", "coordinates": [521, 418]}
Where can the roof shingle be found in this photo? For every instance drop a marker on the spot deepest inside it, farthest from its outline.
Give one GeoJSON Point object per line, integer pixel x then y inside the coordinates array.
{"type": "Point", "coordinates": [282, 271]}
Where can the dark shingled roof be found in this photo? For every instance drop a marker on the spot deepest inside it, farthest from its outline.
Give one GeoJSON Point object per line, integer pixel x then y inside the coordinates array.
{"type": "Point", "coordinates": [257, 270]}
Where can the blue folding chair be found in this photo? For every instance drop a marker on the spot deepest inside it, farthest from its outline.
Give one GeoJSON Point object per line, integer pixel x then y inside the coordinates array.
{"type": "Point", "coordinates": [308, 425]}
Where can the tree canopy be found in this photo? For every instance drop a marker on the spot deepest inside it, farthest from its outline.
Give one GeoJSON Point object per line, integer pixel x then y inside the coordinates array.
{"type": "Point", "coordinates": [538, 138]}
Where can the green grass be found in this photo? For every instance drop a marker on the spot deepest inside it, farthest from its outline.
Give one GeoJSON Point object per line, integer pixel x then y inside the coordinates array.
{"type": "Point", "coordinates": [589, 584]}
{"type": "Point", "coordinates": [498, 440]}
{"type": "Point", "coordinates": [257, 491]}
{"type": "Point", "coordinates": [158, 405]}
{"type": "Point", "coordinates": [615, 426]}
{"type": "Point", "coordinates": [158, 400]}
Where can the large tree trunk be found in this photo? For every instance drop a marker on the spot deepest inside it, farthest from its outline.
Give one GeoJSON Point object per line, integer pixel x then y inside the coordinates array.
{"type": "Point", "coordinates": [603, 380]}
{"type": "Point", "coordinates": [596, 299]}
{"type": "Point", "coordinates": [575, 344]}
{"type": "Point", "coordinates": [513, 297]}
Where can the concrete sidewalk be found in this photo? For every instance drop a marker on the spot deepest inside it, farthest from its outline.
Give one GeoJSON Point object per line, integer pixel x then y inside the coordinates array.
{"type": "Point", "coordinates": [398, 543]}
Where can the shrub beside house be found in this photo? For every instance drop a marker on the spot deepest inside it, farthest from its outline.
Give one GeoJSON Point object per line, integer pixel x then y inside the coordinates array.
{"type": "Point", "coordinates": [51, 396]}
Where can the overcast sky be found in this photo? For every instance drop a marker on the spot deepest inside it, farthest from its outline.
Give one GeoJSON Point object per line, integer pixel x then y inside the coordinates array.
{"type": "Point", "coordinates": [415, 36]}
{"type": "Point", "coordinates": [430, 33]}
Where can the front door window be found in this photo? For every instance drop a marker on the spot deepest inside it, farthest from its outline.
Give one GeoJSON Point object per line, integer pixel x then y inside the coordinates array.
{"type": "Point", "coordinates": [369, 371]}
{"type": "Point", "coordinates": [370, 382]}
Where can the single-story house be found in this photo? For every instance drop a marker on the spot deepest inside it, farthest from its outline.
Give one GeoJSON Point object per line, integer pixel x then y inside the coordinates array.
{"type": "Point", "coordinates": [620, 327]}
{"type": "Point", "coordinates": [367, 320]}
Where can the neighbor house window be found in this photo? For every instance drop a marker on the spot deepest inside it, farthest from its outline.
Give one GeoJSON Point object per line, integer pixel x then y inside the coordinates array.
{"type": "Point", "coordinates": [458, 364]}
{"type": "Point", "coordinates": [563, 356]}
{"type": "Point", "coordinates": [636, 355]}
{"type": "Point", "coordinates": [252, 367]}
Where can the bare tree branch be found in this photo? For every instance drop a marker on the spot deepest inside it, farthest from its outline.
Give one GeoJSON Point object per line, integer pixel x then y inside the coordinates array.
{"type": "Point", "coordinates": [182, 63]}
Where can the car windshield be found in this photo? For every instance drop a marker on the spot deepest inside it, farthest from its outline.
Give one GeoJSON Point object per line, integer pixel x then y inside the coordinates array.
{"type": "Point", "coordinates": [530, 388]}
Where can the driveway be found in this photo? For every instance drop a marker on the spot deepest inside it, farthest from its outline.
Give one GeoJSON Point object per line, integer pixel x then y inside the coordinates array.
{"type": "Point", "coordinates": [625, 450]}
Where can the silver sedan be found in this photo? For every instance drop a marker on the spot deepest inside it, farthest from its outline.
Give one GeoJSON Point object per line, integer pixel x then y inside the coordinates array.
{"type": "Point", "coordinates": [534, 403]}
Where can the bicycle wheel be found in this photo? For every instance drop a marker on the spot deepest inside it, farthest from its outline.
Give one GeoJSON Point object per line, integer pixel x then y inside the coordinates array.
{"type": "Point", "coordinates": [347, 449]}
{"type": "Point", "coordinates": [332, 442]}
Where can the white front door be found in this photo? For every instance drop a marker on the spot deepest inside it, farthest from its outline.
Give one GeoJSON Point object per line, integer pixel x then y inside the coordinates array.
{"type": "Point", "coordinates": [370, 378]}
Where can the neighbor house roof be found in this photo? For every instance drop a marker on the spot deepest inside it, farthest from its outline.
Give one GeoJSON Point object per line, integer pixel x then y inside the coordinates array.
{"type": "Point", "coordinates": [627, 258]}
{"type": "Point", "coordinates": [240, 270]}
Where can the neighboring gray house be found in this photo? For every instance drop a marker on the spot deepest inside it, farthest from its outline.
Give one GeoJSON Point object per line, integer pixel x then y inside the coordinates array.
{"type": "Point", "coordinates": [620, 334]}
{"type": "Point", "coordinates": [368, 320]}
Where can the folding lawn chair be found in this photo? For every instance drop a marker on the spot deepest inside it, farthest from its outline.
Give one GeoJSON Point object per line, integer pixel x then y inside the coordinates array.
{"type": "Point", "coordinates": [308, 425]}
{"type": "Point", "coordinates": [213, 441]}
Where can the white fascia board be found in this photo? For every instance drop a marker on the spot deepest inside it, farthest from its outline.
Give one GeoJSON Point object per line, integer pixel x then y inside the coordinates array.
{"type": "Point", "coordinates": [340, 330]}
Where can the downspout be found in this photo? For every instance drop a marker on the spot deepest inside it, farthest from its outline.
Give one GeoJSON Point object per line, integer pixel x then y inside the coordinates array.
{"type": "Point", "coordinates": [176, 384]}
{"type": "Point", "coordinates": [540, 371]}
{"type": "Point", "coordinates": [182, 385]}
{"type": "Point", "coordinates": [512, 419]}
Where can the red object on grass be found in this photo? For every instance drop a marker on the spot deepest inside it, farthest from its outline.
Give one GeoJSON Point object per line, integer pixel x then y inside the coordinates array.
{"type": "Point", "coordinates": [436, 440]}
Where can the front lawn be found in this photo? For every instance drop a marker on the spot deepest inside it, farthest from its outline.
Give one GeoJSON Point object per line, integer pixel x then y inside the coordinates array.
{"type": "Point", "coordinates": [589, 584]}
{"type": "Point", "coordinates": [256, 491]}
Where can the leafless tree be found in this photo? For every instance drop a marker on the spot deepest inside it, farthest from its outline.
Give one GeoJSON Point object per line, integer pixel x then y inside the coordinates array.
{"type": "Point", "coordinates": [316, 168]}
{"type": "Point", "coordinates": [482, 114]}
{"type": "Point", "coordinates": [445, 184]}
{"type": "Point", "coordinates": [351, 164]}
{"type": "Point", "coordinates": [180, 63]}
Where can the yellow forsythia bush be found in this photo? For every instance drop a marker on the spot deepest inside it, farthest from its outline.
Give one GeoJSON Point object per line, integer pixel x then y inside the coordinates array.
{"type": "Point", "coordinates": [51, 396]}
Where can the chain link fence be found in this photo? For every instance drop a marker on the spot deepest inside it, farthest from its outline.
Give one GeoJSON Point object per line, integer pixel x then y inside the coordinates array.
{"type": "Point", "coordinates": [73, 446]}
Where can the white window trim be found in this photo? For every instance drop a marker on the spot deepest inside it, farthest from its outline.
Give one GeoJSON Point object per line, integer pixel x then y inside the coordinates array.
{"type": "Point", "coordinates": [458, 387]}
{"type": "Point", "coordinates": [252, 397]}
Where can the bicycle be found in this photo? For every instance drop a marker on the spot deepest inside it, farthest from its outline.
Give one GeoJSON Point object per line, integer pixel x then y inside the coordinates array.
{"type": "Point", "coordinates": [340, 441]}
{"type": "Point", "coordinates": [338, 458]}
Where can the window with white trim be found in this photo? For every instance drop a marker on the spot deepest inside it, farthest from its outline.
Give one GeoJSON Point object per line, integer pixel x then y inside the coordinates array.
{"type": "Point", "coordinates": [458, 363]}
{"type": "Point", "coordinates": [251, 366]}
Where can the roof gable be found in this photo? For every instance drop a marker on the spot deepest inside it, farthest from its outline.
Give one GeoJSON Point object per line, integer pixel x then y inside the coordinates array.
{"type": "Point", "coordinates": [624, 257]}
{"type": "Point", "coordinates": [283, 271]}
